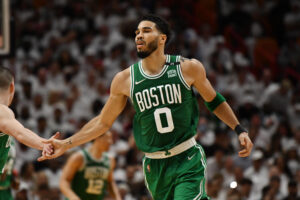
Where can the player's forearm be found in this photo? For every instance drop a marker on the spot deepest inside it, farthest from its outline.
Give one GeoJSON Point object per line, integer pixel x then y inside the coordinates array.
{"type": "Point", "coordinates": [66, 189]}
{"type": "Point", "coordinates": [30, 139]}
{"type": "Point", "coordinates": [225, 113]}
{"type": "Point", "coordinates": [22, 134]}
{"type": "Point", "coordinates": [114, 192]}
{"type": "Point", "coordinates": [90, 131]}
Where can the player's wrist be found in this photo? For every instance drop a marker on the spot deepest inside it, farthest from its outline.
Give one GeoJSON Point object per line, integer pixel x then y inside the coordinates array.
{"type": "Point", "coordinates": [239, 129]}
{"type": "Point", "coordinates": [67, 143]}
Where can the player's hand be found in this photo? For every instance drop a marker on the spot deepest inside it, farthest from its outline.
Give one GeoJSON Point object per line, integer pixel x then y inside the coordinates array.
{"type": "Point", "coordinates": [246, 143]}
{"type": "Point", "coordinates": [58, 148]}
{"type": "Point", "coordinates": [48, 148]}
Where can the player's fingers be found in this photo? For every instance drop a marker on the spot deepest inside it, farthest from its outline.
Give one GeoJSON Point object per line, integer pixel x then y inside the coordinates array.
{"type": "Point", "coordinates": [45, 154]}
{"type": "Point", "coordinates": [48, 150]}
{"type": "Point", "coordinates": [249, 145]}
{"type": "Point", "coordinates": [50, 141]}
{"type": "Point", "coordinates": [45, 157]}
{"type": "Point", "coordinates": [42, 158]}
{"type": "Point", "coordinates": [243, 153]}
{"type": "Point", "coordinates": [56, 135]}
{"type": "Point", "coordinates": [242, 141]}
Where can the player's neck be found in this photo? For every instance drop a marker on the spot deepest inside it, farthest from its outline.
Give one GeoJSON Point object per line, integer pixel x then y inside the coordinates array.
{"type": "Point", "coordinates": [154, 63]}
{"type": "Point", "coordinates": [4, 99]}
{"type": "Point", "coordinates": [96, 152]}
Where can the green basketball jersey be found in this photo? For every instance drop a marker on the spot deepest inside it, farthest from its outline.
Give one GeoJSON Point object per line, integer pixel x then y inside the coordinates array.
{"type": "Point", "coordinates": [90, 182]}
{"type": "Point", "coordinates": [5, 183]}
{"type": "Point", "coordinates": [166, 108]}
{"type": "Point", "coordinates": [4, 149]}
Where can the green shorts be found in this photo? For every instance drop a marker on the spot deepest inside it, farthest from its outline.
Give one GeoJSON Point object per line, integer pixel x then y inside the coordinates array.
{"type": "Point", "coordinates": [180, 177]}
{"type": "Point", "coordinates": [6, 194]}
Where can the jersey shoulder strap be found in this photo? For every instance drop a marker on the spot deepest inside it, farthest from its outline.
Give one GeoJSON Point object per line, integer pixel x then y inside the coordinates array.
{"type": "Point", "coordinates": [174, 60]}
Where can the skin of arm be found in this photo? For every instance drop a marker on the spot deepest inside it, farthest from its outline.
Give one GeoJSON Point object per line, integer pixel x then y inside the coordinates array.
{"type": "Point", "coordinates": [119, 92]}
{"type": "Point", "coordinates": [112, 186]}
{"type": "Point", "coordinates": [194, 74]}
{"type": "Point", "coordinates": [10, 126]}
{"type": "Point", "coordinates": [73, 164]}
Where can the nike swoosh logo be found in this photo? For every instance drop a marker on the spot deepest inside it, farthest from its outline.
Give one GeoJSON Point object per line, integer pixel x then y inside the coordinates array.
{"type": "Point", "coordinates": [138, 82]}
{"type": "Point", "coordinates": [190, 158]}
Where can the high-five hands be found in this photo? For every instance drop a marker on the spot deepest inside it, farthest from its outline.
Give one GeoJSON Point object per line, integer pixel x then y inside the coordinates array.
{"type": "Point", "coordinates": [48, 148]}
{"type": "Point", "coordinates": [58, 148]}
{"type": "Point", "coordinates": [246, 143]}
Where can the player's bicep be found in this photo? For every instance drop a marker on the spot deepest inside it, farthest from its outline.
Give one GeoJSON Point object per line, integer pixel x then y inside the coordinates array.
{"type": "Point", "coordinates": [115, 103]}
{"type": "Point", "coordinates": [7, 120]}
{"type": "Point", "coordinates": [11, 127]}
{"type": "Point", "coordinates": [74, 163]}
{"type": "Point", "coordinates": [200, 81]}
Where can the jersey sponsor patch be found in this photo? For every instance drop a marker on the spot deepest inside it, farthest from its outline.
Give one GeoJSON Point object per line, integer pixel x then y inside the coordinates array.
{"type": "Point", "coordinates": [172, 73]}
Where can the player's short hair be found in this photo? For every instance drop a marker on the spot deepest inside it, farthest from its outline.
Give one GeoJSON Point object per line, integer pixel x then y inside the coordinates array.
{"type": "Point", "coordinates": [6, 77]}
{"type": "Point", "coordinates": [161, 24]}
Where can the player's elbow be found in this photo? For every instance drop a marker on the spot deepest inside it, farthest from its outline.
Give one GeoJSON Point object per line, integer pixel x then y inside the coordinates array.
{"type": "Point", "coordinates": [104, 125]}
{"type": "Point", "coordinates": [19, 137]}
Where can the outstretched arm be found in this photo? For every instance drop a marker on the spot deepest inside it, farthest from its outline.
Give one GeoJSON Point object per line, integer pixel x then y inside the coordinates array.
{"type": "Point", "coordinates": [195, 75]}
{"type": "Point", "coordinates": [98, 125]}
{"type": "Point", "coordinates": [71, 167]}
{"type": "Point", "coordinates": [10, 126]}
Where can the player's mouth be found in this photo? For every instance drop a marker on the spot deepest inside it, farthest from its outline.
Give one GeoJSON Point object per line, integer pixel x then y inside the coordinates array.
{"type": "Point", "coordinates": [140, 44]}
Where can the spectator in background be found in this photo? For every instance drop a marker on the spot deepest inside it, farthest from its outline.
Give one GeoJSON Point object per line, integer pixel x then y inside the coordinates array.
{"type": "Point", "coordinates": [246, 189]}
{"type": "Point", "coordinates": [257, 173]}
{"type": "Point", "coordinates": [292, 191]}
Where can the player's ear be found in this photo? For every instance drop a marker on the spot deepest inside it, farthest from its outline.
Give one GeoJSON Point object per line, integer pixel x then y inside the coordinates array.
{"type": "Point", "coordinates": [163, 38]}
{"type": "Point", "coordinates": [12, 87]}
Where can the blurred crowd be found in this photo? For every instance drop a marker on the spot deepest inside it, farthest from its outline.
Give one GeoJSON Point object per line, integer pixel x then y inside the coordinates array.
{"type": "Point", "coordinates": [67, 52]}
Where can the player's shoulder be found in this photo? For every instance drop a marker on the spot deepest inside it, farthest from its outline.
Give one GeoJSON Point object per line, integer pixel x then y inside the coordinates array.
{"type": "Point", "coordinates": [77, 156]}
{"type": "Point", "coordinates": [121, 82]}
{"type": "Point", "coordinates": [5, 112]}
{"type": "Point", "coordinates": [192, 66]}
{"type": "Point", "coordinates": [192, 70]}
{"type": "Point", "coordinates": [123, 75]}
{"type": "Point", "coordinates": [190, 62]}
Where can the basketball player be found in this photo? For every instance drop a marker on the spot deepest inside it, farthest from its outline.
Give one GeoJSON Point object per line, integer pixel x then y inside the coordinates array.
{"type": "Point", "coordinates": [9, 126]}
{"type": "Point", "coordinates": [160, 88]}
{"type": "Point", "coordinates": [88, 173]}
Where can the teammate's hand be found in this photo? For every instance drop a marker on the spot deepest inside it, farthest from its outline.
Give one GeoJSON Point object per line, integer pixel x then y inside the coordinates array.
{"type": "Point", "coordinates": [246, 143]}
{"type": "Point", "coordinates": [48, 148]}
{"type": "Point", "coordinates": [58, 148]}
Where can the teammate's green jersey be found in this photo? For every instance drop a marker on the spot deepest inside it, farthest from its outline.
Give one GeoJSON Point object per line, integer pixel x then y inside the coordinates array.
{"type": "Point", "coordinates": [90, 182]}
{"type": "Point", "coordinates": [4, 149]}
{"type": "Point", "coordinates": [166, 108]}
{"type": "Point", "coordinates": [6, 180]}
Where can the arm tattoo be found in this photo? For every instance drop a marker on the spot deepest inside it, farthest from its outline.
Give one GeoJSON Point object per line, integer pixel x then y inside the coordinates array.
{"type": "Point", "coordinates": [69, 142]}
{"type": "Point", "coordinates": [182, 59]}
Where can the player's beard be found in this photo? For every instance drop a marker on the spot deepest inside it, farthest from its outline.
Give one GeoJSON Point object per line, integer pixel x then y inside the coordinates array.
{"type": "Point", "coordinates": [151, 47]}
